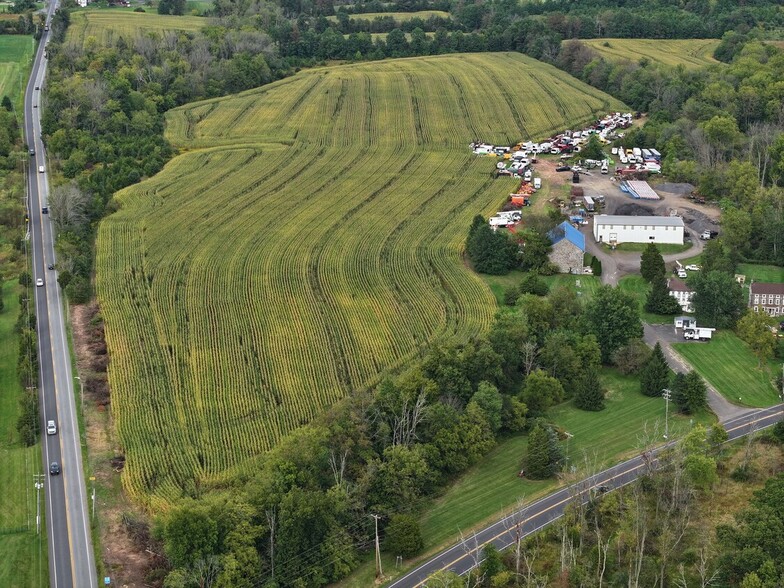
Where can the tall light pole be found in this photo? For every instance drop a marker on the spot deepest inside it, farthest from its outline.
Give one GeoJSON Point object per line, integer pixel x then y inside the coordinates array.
{"type": "Point", "coordinates": [666, 394]}
{"type": "Point", "coordinates": [568, 436]}
{"type": "Point", "coordinates": [39, 483]}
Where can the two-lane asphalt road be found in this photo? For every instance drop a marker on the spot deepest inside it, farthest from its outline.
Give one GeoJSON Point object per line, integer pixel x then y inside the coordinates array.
{"type": "Point", "coordinates": [468, 554]}
{"type": "Point", "coordinates": [71, 558]}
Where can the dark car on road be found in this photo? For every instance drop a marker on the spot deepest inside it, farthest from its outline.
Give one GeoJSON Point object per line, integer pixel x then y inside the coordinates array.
{"type": "Point", "coordinates": [54, 469]}
{"type": "Point", "coordinates": [32, 152]}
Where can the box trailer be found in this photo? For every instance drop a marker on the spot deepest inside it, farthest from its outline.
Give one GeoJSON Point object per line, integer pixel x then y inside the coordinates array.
{"type": "Point", "coordinates": [590, 205]}
{"type": "Point", "coordinates": [500, 221]}
{"type": "Point", "coordinates": [698, 333]}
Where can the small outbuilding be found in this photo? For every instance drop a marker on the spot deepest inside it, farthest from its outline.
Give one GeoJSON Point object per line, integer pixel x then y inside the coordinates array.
{"type": "Point", "coordinates": [568, 248]}
{"type": "Point", "coordinates": [615, 229]}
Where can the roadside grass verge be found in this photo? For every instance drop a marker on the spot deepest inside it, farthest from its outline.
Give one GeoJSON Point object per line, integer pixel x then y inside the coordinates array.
{"type": "Point", "coordinates": [24, 560]}
{"type": "Point", "coordinates": [638, 287]}
{"type": "Point", "coordinates": [730, 366]}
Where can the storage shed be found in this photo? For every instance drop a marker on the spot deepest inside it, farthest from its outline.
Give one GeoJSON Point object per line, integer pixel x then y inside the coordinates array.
{"type": "Point", "coordinates": [615, 229]}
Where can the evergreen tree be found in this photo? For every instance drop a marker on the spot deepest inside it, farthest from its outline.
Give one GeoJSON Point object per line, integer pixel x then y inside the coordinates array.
{"type": "Point", "coordinates": [655, 375]}
{"type": "Point", "coordinates": [491, 252]}
{"type": "Point", "coordinates": [659, 300]}
{"type": "Point", "coordinates": [537, 463]}
{"type": "Point", "coordinates": [589, 394]}
{"type": "Point", "coordinates": [678, 389]}
{"type": "Point", "coordinates": [651, 263]}
{"type": "Point", "coordinates": [2, 298]}
{"type": "Point", "coordinates": [695, 393]}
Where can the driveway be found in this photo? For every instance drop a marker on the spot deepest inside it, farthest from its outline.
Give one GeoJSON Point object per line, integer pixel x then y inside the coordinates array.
{"type": "Point", "coordinates": [666, 335]}
{"type": "Point", "coordinates": [616, 264]}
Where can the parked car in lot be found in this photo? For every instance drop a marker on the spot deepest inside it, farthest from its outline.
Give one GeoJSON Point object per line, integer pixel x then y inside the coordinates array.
{"type": "Point", "coordinates": [693, 268]}
{"type": "Point", "coordinates": [682, 273]}
{"type": "Point", "coordinates": [563, 168]}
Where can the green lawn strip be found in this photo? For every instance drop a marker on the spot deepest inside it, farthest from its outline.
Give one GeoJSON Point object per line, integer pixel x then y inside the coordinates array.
{"type": "Point", "coordinates": [664, 248]}
{"type": "Point", "coordinates": [730, 366]}
{"type": "Point", "coordinates": [499, 284]}
{"type": "Point", "coordinates": [605, 437]}
{"type": "Point", "coordinates": [761, 273]}
{"type": "Point", "coordinates": [638, 287]}
{"type": "Point", "coordinates": [24, 561]}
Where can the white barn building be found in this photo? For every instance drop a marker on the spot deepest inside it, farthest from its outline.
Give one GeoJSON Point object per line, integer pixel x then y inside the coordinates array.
{"type": "Point", "coordinates": [615, 229]}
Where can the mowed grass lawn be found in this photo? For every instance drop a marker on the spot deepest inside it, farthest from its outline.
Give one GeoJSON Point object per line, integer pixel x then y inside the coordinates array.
{"type": "Point", "coordinates": [638, 287]}
{"type": "Point", "coordinates": [602, 438]}
{"type": "Point", "coordinates": [24, 561]}
{"type": "Point", "coordinates": [691, 53]}
{"type": "Point", "coordinates": [730, 366]}
{"type": "Point", "coordinates": [584, 285]}
{"type": "Point", "coordinates": [16, 53]}
{"type": "Point", "coordinates": [761, 273]}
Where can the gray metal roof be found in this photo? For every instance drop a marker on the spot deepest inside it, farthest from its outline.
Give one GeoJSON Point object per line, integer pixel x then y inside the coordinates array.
{"type": "Point", "coordinates": [658, 221]}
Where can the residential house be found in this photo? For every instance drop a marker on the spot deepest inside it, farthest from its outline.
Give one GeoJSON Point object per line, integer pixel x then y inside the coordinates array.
{"type": "Point", "coordinates": [681, 292]}
{"type": "Point", "coordinates": [767, 297]}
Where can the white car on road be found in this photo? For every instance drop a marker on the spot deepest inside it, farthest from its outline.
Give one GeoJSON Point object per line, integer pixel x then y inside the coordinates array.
{"type": "Point", "coordinates": [39, 282]}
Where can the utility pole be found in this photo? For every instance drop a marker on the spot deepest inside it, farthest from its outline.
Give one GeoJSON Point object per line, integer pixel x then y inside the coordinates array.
{"type": "Point", "coordinates": [81, 393]}
{"type": "Point", "coordinates": [568, 436]}
{"type": "Point", "coordinates": [379, 572]}
{"type": "Point", "coordinates": [92, 479]}
{"type": "Point", "coordinates": [38, 480]}
{"type": "Point", "coordinates": [666, 394]}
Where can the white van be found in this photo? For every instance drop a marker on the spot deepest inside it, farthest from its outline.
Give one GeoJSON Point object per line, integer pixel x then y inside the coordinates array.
{"type": "Point", "coordinates": [41, 169]}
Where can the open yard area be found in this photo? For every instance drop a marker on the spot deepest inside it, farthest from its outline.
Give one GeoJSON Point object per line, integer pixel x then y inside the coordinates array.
{"type": "Point", "coordinates": [584, 285]}
{"type": "Point", "coordinates": [16, 54]}
{"type": "Point", "coordinates": [761, 273]}
{"type": "Point", "coordinates": [639, 288]}
{"type": "Point", "coordinates": [691, 53]}
{"type": "Point", "coordinates": [730, 366]}
{"type": "Point", "coordinates": [600, 437]}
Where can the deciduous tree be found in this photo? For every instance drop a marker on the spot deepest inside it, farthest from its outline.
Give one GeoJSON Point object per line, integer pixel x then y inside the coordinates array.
{"type": "Point", "coordinates": [754, 329]}
{"type": "Point", "coordinates": [614, 318]}
{"type": "Point", "coordinates": [718, 299]}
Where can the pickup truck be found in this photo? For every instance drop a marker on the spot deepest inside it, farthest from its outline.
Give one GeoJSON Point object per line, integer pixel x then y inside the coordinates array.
{"type": "Point", "coordinates": [706, 235]}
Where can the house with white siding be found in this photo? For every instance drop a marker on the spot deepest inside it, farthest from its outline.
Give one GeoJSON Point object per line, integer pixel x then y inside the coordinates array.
{"type": "Point", "coordinates": [682, 293]}
{"type": "Point", "coordinates": [614, 229]}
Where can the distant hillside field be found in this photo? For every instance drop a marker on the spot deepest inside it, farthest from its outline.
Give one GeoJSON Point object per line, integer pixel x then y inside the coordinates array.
{"type": "Point", "coordinates": [398, 16]}
{"type": "Point", "coordinates": [690, 53]}
{"type": "Point", "coordinates": [308, 238]}
{"type": "Point", "coordinates": [108, 25]}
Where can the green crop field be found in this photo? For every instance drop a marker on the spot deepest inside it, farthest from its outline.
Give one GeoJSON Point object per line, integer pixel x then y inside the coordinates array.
{"type": "Point", "coordinates": [730, 366]}
{"type": "Point", "coordinates": [398, 16]}
{"type": "Point", "coordinates": [308, 238]}
{"type": "Point", "coordinates": [691, 53]}
{"type": "Point", "coordinates": [109, 25]}
{"type": "Point", "coordinates": [16, 54]}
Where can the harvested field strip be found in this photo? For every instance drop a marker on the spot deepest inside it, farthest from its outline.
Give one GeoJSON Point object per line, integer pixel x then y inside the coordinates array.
{"type": "Point", "coordinates": [108, 26]}
{"type": "Point", "coordinates": [690, 53]}
{"type": "Point", "coordinates": [308, 238]}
